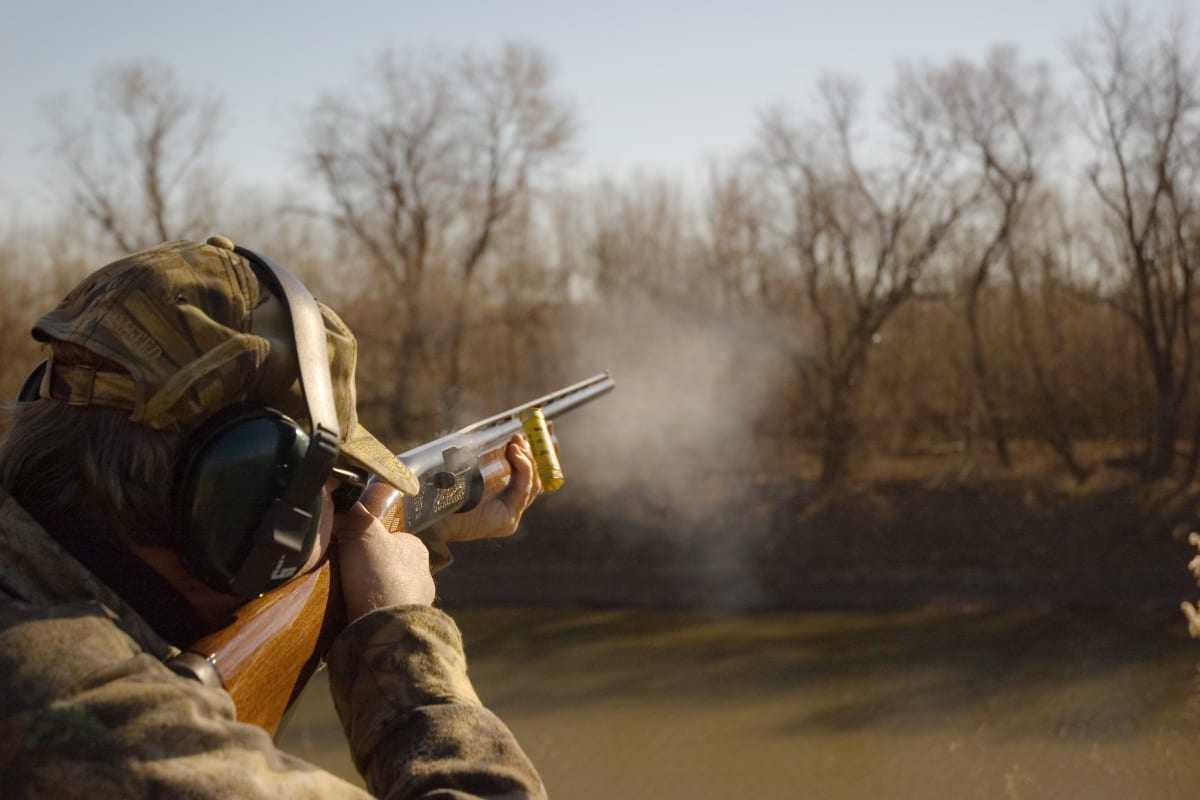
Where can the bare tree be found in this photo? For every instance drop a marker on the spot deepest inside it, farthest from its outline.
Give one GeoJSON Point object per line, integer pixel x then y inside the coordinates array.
{"type": "Point", "coordinates": [38, 265]}
{"type": "Point", "coordinates": [1143, 119]}
{"type": "Point", "coordinates": [742, 257]}
{"type": "Point", "coordinates": [1044, 249]}
{"type": "Point", "coordinates": [638, 239]}
{"type": "Point", "coordinates": [17, 348]}
{"type": "Point", "coordinates": [1000, 113]}
{"type": "Point", "coordinates": [420, 172]}
{"type": "Point", "coordinates": [859, 239]}
{"type": "Point", "coordinates": [137, 162]}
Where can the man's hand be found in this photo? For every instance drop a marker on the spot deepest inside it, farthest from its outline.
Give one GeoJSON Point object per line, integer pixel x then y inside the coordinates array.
{"type": "Point", "coordinates": [1194, 564]}
{"type": "Point", "coordinates": [379, 569]}
{"type": "Point", "coordinates": [1193, 618]}
{"type": "Point", "coordinates": [500, 516]}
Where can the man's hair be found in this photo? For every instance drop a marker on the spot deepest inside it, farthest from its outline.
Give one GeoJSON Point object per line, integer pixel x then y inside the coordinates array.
{"type": "Point", "coordinates": [57, 459]}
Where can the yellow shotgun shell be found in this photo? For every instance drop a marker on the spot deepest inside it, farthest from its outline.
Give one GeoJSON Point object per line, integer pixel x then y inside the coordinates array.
{"type": "Point", "coordinates": [544, 455]}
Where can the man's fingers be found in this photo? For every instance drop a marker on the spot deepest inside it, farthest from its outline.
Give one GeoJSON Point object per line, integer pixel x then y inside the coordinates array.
{"type": "Point", "coordinates": [1193, 618]}
{"type": "Point", "coordinates": [354, 523]}
{"type": "Point", "coordinates": [524, 486]}
{"type": "Point", "coordinates": [527, 483]}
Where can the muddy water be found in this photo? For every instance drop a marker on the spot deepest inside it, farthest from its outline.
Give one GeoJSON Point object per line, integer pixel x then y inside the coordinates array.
{"type": "Point", "coordinates": [629, 704]}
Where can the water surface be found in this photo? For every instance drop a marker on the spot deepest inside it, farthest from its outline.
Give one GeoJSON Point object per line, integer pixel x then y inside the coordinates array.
{"type": "Point", "coordinates": [930, 704]}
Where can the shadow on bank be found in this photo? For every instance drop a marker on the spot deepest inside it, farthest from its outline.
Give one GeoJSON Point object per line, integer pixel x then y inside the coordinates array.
{"type": "Point", "coordinates": [884, 546]}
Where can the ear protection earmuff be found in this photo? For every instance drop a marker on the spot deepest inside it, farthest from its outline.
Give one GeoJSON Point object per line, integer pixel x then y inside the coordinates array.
{"type": "Point", "coordinates": [247, 489]}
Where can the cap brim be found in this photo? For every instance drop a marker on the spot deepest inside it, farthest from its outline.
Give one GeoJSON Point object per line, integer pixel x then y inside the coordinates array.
{"type": "Point", "coordinates": [364, 450]}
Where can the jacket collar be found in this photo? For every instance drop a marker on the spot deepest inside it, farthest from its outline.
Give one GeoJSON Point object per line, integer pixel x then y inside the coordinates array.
{"type": "Point", "coordinates": [37, 570]}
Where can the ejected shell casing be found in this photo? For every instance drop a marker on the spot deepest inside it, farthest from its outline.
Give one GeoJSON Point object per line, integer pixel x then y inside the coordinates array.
{"type": "Point", "coordinates": [544, 455]}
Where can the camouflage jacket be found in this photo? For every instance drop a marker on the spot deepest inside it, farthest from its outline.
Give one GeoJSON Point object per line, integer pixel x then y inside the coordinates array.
{"type": "Point", "coordinates": [89, 710]}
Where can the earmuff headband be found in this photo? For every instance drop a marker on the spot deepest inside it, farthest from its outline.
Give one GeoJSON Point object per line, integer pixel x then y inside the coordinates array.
{"type": "Point", "coordinates": [280, 539]}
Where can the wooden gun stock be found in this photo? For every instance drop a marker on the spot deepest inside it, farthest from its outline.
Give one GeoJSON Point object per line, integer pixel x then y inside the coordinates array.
{"type": "Point", "coordinates": [276, 641]}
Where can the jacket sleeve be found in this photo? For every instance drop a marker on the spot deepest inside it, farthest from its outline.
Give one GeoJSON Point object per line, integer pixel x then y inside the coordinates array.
{"type": "Point", "coordinates": [87, 713]}
{"type": "Point", "coordinates": [415, 725]}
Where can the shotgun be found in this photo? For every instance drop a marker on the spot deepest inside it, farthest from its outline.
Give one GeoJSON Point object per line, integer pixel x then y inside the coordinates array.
{"type": "Point", "coordinates": [276, 641]}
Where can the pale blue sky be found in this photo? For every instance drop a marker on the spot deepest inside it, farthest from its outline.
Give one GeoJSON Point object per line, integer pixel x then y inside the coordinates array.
{"type": "Point", "coordinates": [662, 85]}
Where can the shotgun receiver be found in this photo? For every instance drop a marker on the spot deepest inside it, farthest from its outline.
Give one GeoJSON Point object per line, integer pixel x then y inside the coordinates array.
{"type": "Point", "coordinates": [276, 641]}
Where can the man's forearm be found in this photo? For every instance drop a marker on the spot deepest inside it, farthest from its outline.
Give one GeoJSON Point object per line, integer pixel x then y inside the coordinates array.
{"type": "Point", "coordinates": [413, 720]}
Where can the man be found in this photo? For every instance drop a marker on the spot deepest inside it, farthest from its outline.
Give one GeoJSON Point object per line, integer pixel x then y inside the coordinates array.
{"type": "Point", "coordinates": [109, 564]}
{"type": "Point", "coordinates": [1190, 611]}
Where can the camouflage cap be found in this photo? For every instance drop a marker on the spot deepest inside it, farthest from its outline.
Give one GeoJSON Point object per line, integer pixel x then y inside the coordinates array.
{"type": "Point", "coordinates": [195, 331]}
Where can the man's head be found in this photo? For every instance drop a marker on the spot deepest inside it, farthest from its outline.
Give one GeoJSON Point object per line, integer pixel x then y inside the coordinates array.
{"type": "Point", "coordinates": [178, 335]}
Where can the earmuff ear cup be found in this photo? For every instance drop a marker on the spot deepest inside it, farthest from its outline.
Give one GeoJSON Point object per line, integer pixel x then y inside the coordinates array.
{"type": "Point", "coordinates": [235, 472]}
{"type": "Point", "coordinates": [31, 387]}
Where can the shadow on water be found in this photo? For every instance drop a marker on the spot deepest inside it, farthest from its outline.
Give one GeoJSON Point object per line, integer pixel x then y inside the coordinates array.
{"type": "Point", "coordinates": [1014, 705]}
{"type": "Point", "coordinates": [1061, 675]}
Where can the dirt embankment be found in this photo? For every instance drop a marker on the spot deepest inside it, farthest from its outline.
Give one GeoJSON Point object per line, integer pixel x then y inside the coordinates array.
{"type": "Point", "coordinates": [885, 542]}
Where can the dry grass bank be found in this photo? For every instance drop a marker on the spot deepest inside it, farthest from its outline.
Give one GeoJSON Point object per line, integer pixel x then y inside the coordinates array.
{"type": "Point", "coordinates": [934, 527]}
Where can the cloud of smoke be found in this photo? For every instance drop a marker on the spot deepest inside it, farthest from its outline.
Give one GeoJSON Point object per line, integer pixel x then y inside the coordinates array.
{"type": "Point", "coordinates": [672, 451]}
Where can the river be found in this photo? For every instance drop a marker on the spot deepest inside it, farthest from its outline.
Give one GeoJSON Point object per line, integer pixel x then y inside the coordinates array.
{"type": "Point", "coordinates": [931, 704]}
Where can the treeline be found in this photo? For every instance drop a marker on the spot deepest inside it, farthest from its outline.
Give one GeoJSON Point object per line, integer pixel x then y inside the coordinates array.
{"type": "Point", "coordinates": [1004, 255]}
